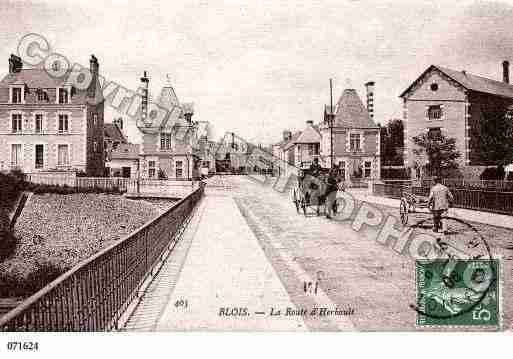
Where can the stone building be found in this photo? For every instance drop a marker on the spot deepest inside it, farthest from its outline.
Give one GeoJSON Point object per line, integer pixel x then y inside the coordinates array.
{"type": "Point", "coordinates": [173, 150]}
{"type": "Point", "coordinates": [48, 124]}
{"type": "Point", "coordinates": [356, 138]}
{"type": "Point", "coordinates": [450, 102]}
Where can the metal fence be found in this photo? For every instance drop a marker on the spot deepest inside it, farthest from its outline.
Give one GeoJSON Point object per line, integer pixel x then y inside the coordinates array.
{"type": "Point", "coordinates": [495, 201]}
{"type": "Point", "coordinates": [93, 295]}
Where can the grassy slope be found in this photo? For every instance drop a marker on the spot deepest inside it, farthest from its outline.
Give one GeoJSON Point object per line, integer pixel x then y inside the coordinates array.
{"type": "Point", "coordinates": [63, 230]}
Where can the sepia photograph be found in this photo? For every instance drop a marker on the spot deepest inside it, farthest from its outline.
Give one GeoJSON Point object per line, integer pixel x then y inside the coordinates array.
{"type": "Point", "coordinates": [255, 166]}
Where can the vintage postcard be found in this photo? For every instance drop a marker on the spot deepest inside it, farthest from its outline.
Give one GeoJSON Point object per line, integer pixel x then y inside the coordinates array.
{"type": "Point", "coordinates": [255, 166]}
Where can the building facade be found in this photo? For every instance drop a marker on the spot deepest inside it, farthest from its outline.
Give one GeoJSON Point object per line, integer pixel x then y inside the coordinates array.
{"type": "Point", "coordinates": [452, 103]}
{"type": "Point", "coordinates": [47, 124]}
{"type": "Point", "coordinates": [349, 131]}
{"type": "Point", "coordinates": [172, 151]}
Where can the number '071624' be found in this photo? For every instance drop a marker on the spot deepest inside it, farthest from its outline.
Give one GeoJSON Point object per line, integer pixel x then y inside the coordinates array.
{"type": "Point", "coordinates": [22, 346]}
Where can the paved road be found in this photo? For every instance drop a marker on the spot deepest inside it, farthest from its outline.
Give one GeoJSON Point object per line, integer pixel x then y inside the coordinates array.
{"type": "Point", "coordinates": [246, 247]}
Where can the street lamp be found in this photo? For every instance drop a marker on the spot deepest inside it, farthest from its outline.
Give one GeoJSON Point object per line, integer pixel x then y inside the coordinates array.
{"type": "Point", "coordinates": [331, 119]}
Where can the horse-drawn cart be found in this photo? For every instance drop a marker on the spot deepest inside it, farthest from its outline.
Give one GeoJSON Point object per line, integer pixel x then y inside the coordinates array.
{"type": "Point", "coordinates": [311, 192]}
{"type": "Point", "coordinates": [410, 202]}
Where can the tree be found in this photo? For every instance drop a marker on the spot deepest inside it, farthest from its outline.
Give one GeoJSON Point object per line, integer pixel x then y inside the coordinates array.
{"type": "Point", "coordinates": [494, 136]}
{"type": "Point", "coordinates": [392, 142]}
{"type": "Point", "coordinates": [440, 151]}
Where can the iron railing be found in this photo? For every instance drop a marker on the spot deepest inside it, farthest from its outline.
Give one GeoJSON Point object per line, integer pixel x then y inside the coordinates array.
{"type": "Point", "coordinates": [93, 295]}
{"type": "Point", "coordinates": [496, 201]}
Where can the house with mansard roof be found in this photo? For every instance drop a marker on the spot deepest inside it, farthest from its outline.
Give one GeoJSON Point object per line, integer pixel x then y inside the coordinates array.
{"type": "Point", "coordinates": [46, 123]}
{"type": "Point", "coordinates": [452, 103]}
{"type": "Point", "coordinates": [354, 135]}
{"type": "Point", "coordinates": [173, 151]}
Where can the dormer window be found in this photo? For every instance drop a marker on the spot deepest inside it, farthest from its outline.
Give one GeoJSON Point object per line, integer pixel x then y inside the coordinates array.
{"type": "Point", "coordinates": [41, 95]}
{"type": "Point", "coordinates": [63, 95]}
{"type": "Point", "coordinates": [16, 96]}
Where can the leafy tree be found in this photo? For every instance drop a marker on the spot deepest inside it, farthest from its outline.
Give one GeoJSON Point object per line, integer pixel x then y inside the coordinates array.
{"type": "Point", "coordinates": [494, 136]}
{"type": "Point", "coordinates": [440, 151]}
{"type": "Point", "coordinates": [392, 142]}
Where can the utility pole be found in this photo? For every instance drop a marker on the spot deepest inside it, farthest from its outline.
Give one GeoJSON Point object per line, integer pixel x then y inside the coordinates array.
{"type": "Point", "coordinates": [331, 119]}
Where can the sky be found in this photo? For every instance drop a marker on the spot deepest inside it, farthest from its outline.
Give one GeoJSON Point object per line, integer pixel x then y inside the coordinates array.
{"type": "Point", "coordinates": [259, 67]}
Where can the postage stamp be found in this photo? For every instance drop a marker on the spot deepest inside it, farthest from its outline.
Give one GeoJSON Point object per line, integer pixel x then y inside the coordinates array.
{"type": "Point", "coordinates": [458, 292]}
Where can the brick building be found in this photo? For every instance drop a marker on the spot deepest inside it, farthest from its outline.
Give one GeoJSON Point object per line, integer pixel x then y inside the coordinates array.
{"type": "Point", "coordinates": [356, 138]}
{"type": "Point", "coordinates": [48, 124]}
{"type": "Point", "coordinates": [450, 102]}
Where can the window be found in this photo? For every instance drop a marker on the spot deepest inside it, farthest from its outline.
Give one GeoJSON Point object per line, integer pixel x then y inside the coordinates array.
{"type": "Point", "coordinates": [63, 123]}
{"type": "Point", "coordinates": [16, 155]}
{"type": "Point", "coordinates": [151, 169]}
{"type": "Point", "coordinates": [41, 95]}
{"type": "Point", "coordinates": [63, 96]}
{"type": "Point", "coordinates": [62, 155]}
{"type": "Point", "coordinates": [435, 133]}
{"type": "Point", "coordinates": [39, 156]}
{"type": "Point", "coordinates": [16, 95]}
{"type": "Point", "coordinates": [435, 112]}
{"type": "Point", "coordinates": [179, 169]}
{"type": "Point", "coordinates": [342, 168]}
{"type": "Point", "coordinates": [367, 169]}
{"type": "Point", "coordinates": [16, 123]}
{"type": "Point", "coordinates": [313, 149]}
{"type": "Point", "coordinates": [354, 141]}
{"type": "Point", "coordinates": [165, 141]}
{"type": "Point", "coordinates": [38, 126]}
{"type": "Point", "coordinates": [434, 87]}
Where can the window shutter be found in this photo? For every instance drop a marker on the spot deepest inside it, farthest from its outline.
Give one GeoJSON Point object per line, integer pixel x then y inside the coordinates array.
{"type": "Point", "coordinates": [46, 155]}
{"type": "Point", "coordinates": [426, 114]}
{"type": "Point", "coordinates": [70, 123]}
{"type": "Point", "coordinates": [442, 110]}
{"type": "Point", "coordinates": [70, 153]}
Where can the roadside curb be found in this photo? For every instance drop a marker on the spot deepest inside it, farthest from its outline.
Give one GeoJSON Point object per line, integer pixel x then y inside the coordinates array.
{"type": "Point", "coordinates": [493, 219]}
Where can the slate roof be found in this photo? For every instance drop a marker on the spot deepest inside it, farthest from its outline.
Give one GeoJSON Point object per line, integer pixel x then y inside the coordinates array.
{"type": "Point", "coordinates": [114, 133]}
{"type": "Point", "coordinates": [309, 135]}
{"type": "Point", "coordinates": [35, 78]}
{"type": "Point", "coordinates": [470, 82]}
{"type": "Point", "coordinates": [292, 141]}
{"type": "Point", "coordinates": [351, 112]}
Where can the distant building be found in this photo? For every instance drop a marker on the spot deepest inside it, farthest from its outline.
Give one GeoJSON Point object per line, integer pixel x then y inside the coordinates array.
{"type": "Point", "coordinates": [303, 147]}
{"type": "Point", "coordinates": [124, 161]}
{"type": "Point", "coordinates": [48, 124]}
{"type": "Point", "coordinates": [113, 136]}
{"type": "Point", "coordinates": [356, 139]}
{"type": "Point", "coordinates": [450, 102]}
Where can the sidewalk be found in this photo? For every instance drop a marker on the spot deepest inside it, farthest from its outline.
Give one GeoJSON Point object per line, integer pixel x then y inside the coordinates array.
{"type": "Point", "coordinates": [493, 219]}
{"type": "Point", "coordinates": [226, 268]}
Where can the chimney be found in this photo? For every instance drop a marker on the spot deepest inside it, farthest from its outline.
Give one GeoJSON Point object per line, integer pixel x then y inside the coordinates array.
{"type": "Point", "coordinates": [370, 98]}
{"type": "Point", "coordinates": [287, 135]}
{"type": "Point", "coordinates": [15, 64]}
{"type": "Point", "coordinates": [309, 123]}
{"type": "Point", "coordinates": [94, 69]}
{"type": "Point", "coordinates": [144, 103]}
{"type": "Point", "coordinates": [505, 71]}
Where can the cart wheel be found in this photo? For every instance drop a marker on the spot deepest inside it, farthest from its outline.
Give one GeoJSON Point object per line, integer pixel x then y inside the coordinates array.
{"type": "Point", "coordinates": [403, 210]}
